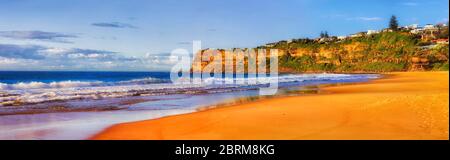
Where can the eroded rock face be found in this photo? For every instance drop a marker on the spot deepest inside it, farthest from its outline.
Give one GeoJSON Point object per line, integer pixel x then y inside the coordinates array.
{"type": "Point", "coordinates": [376, 53]}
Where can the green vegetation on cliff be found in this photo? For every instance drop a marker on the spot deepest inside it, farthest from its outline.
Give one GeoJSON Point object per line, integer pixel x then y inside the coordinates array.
{"type": "Point", "coordinates": [382, 52]}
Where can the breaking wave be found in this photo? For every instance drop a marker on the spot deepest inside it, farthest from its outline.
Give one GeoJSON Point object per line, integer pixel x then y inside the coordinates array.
{"type": "Point", "coordinates": [41, 85]}
{"type": "Point", "coordinates": [38, 92]}
{"type": "Point", "coordinates": [72, 84]}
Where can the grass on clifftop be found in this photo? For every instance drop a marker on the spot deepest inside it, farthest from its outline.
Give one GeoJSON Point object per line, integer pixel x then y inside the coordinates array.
{"type": "Point", "coordinates": [384, 52]}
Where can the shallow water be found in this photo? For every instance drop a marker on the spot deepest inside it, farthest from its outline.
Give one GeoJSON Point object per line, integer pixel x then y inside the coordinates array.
{"type": "Point", "coordinates": [82, 125]}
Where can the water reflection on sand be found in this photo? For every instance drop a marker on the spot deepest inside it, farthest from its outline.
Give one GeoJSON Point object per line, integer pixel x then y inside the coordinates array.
{"type": "Point", "coordinates": [82, 125]}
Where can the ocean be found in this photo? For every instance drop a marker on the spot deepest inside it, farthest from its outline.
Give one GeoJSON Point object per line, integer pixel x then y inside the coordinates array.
{"type": "Point", "coordinates": [25, 88]}
{"type": "Point", "coordinates": [27, 77]}
{"type": "Point", "coordinates": [75, 105]}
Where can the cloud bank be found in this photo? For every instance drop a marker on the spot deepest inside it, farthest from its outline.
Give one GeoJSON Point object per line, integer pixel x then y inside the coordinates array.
{"type": "Point", "coordinates": [34, 57]}
{"type": "Point", "coordinates": [366, 18]}
{"type": "Point", "coordinates": [113, 25]}
{"type": "Point", "coordinates": [38, 35]}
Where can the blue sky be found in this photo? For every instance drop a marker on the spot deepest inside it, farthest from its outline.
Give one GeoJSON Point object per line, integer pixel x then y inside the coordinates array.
{"type": "Point", "coordinates": [139, 34]}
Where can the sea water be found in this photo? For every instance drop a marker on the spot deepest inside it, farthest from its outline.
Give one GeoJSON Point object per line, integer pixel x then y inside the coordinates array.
{"type": "Point", "coordinates": [133, 95]}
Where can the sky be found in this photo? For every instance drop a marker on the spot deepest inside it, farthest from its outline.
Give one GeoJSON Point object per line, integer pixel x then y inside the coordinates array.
{"type": "Point", "coordinates": [139, 35]}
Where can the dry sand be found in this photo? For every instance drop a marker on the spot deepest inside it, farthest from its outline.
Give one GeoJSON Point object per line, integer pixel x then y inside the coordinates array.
{"type": "Point", "coordinates": [410, 105]}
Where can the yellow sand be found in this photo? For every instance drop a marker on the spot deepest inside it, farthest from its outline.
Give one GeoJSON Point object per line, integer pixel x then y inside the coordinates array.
{"type": "Point", "coordinates": [410, 105]}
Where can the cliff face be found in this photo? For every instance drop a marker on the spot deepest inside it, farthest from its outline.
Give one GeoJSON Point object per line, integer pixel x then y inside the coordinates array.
{"type": "Point", "coordinates": [227, 60]}
{"type": "Point", "coordinates": [391, 51]}
{"type": "Point", "coordinates": [333, 55]}
{"type": "Point", "coordinates": [375, 53]}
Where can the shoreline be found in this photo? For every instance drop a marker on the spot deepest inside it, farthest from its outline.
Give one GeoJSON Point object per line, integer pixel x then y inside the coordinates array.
{"type": "Point", "coordinates": [103, 97]}
{"type": "Point", "coordinates": [391, 107]}
{"type": "Point", "coordinates": [306, 92]}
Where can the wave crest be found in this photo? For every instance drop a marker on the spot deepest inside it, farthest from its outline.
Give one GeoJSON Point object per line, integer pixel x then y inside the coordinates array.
{"type": "Point", "coordinates": [37, 92]}
{"type": "Point", "coordinates": [75, 84]}
{"type": "Point", "coordinates": [42, 85]}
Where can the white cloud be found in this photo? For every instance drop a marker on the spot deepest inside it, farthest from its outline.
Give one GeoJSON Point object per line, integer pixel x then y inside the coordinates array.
{"type": "Point", "coordinates": [113, 25]}
{"type": "Point", "coordinates": [16, 63]}
{"type": "Point", "coordinates": [38, 35]}
{"type": "Point", "coordinates": [159, 61]}
{"type": "Point", "coordinates": [55, 51]}
{"type": "Point", "coordinates": [366, 18]}
{"type": "Point", "coordinates": [28, 57]}
{"type": "Point", "coordinates": [8, 61]}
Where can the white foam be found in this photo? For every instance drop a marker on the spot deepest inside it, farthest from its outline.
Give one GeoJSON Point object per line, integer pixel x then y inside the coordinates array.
{"type": "Point", "coordinates": [3, 86]}
{"type": "Point", "coordinates": [31, 85]}
{"type": "Point", "coordinates": [148, 80]}
{"type": "Point", "coordinates": [37, 92]}
{"type": "Point", "coordinates": [68, 84]}
{"type": "Point", "coordinates": [41, 85]}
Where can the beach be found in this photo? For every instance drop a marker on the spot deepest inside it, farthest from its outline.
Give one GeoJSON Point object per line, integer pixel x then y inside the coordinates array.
{"type": "Point", "coordinates": [400, 106]}
{"type": "Point", "coordinates": [78, 105]}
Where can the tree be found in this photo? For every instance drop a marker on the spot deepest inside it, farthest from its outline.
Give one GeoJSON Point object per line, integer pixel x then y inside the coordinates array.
{"type": "Point", "coordinates": [393, 23]}
{"type": "Point", "coordinates": [442, 30]}
{"type": "Point", "coordinates": [324, 34]}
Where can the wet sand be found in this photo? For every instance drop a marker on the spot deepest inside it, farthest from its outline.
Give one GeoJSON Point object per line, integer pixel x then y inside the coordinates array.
{"type": "Point", "coordinates": [409, 105]}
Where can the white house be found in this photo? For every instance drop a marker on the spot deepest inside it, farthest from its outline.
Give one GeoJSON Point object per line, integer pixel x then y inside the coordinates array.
{"type": "Point", "coordinates": [355, 35]}
{"type": "Point", "coordinates": [342, 37]}
{"type": "Point", "coordinates": [369, 32]}
{"type": "Point", "coordinates": [417, 30]}
{"type": "Point", "coordinates": [269, 45]}
{"type": "Point", "coordinates": [387, 30]}
{"type": "Point", "coordinates": [359, 34]}
{"type": "Point", "coordinates": [412, 26]}
{"type": "Point", "coordinates": [429, 27]}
